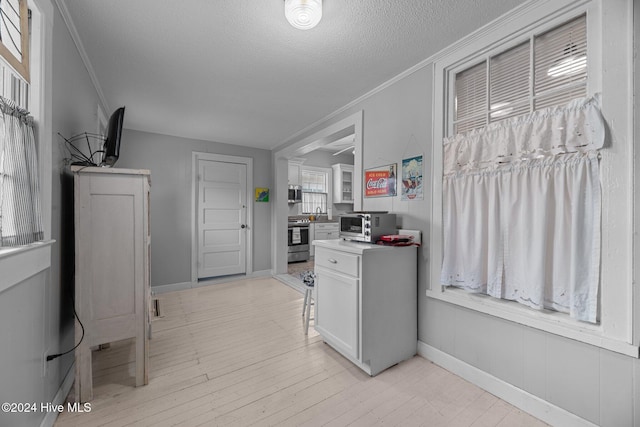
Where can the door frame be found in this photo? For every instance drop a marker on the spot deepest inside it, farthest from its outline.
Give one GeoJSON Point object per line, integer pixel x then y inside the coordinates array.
{"type": "Point", "coordinates": [352, 124]}
{"type": "Point", "coordinates": [248, 161]}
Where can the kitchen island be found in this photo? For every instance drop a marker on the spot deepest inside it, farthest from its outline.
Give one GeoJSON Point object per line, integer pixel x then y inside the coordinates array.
{"type": "Point", "coordinates": [366, 301]}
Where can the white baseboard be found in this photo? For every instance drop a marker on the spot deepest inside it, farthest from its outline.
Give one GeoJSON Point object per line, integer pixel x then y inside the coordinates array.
{"type": "Point", "coordinates": [172, 287]}
{"type": "Point", "coordinates": [519, 398]}
{"type": "Point", "coordinates": [61, 395]}
{"type": "Point", "coordinates": [161, 289]}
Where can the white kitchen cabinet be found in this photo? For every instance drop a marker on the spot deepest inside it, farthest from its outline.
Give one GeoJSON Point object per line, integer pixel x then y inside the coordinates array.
{"type": "Point", "coordinates": [342, 183]}
{"type": "Point", "coordinates": [295, 171]}
{"type": "Point", "coordinates": [366, 301]}
{"type": "Point", "coordinates": [326, 230]}
{"type": "Point", "coordinates": [322, 231]}
{"type": "Point", "coordinates": [111, 266]}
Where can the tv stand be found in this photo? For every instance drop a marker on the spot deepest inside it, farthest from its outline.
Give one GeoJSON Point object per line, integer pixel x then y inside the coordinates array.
{"type": "Point", "coordinates": [111, 209]}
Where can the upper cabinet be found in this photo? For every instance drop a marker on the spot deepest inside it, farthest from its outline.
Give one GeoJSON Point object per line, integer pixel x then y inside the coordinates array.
{"type": "Point", "coordinates": [295, 168]}
{"type": "Point", "coordinates": [342, 183]}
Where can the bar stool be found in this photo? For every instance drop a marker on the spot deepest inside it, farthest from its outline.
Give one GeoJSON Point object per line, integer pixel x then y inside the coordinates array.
{"type": "Point", "coordinates": [308, 280]}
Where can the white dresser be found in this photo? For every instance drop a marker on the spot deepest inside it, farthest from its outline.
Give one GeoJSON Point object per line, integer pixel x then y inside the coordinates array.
{"type": "Point", "coordinates": [366, 301]}
{"type": "Point", "coordinates": [111, 266]}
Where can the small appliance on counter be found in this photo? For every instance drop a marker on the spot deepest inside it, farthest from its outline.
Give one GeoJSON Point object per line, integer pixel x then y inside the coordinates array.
{"type": "Point", "coordinates": [366, 226]}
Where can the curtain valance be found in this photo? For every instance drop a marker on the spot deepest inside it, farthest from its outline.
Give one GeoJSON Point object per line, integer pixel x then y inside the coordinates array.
{"type": "Point", "coordinates": [576, 127]}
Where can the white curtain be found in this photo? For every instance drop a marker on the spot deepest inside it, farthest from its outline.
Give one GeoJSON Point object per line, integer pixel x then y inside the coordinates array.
{"type": "Point", "coordinates": [20, 213]}
{"type": "Point", "coordinates": [522, 209]}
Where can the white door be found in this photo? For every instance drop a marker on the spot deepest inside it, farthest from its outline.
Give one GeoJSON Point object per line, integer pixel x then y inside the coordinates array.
{"type": "Point", "coordinates": [221, 218]}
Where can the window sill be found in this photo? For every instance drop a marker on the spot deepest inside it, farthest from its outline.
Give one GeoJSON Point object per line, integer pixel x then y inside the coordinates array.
{"type": "Point", "coordinates": [548, 321]}
{"type": "Point", "coordinates": [20, 263]}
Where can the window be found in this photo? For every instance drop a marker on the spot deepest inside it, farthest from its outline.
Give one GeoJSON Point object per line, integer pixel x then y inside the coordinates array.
{"type": "Point", "coordinates": [315, 188]}
{"type": "Point", "coordinates": [14, 35]}
{"type": "Point", "coordinates": [481, 252]}
{"type": "Point", "coordinates": [607, 24]}
{"type": "Point", "coordinates": [25, 261]}
{"type": "Point", "coordinates": [548, 69]}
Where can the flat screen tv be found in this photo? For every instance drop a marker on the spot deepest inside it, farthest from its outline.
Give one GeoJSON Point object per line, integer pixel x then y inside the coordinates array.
{"type": "Point", "coordinates": [114, 134]}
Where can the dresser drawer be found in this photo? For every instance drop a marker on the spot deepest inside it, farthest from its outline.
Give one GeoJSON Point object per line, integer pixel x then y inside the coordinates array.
{"type": "Point", "coordinates": [340, 262]}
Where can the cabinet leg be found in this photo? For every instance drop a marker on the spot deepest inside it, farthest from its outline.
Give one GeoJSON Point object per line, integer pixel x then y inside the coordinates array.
{"type": "Point", "coordinates": [308, 315]}
{"type": "Point", "coordinates": [84, 377]}
{"type": "Point", "coordinates": [304, 303]}
{"type": "Point", "coordinates": [142, 376]}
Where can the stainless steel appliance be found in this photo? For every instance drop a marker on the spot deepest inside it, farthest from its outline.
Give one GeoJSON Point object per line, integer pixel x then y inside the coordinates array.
{"type": "Point", "coordinates": [298, 238]}
{"type": "Point", "coordinates": [294, 194]}
{"type": "Point", "coordinates": [366, 226]}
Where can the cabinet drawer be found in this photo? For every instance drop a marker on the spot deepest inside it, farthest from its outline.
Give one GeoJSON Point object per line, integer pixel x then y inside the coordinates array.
{"type": "Point", "coordinates": [328, 226]}
{"type": "Point", "coordinates": [326, 235]}
{"type": "Point", "coordinates": [340, 262]}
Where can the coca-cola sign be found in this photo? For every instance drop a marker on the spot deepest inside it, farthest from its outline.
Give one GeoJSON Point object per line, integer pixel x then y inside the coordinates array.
{"type": "Point", "coordinates": [376, 183]}
{"type": "Point", "coordinates": [380, 181]}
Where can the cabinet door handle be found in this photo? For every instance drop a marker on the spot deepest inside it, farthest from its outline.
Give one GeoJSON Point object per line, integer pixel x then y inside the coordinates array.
{"type": "Point", "coordinates": [333, 261]}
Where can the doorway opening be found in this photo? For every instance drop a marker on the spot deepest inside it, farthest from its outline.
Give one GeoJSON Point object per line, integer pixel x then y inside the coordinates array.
{"type": "Point", "coordinates": [352, 125]}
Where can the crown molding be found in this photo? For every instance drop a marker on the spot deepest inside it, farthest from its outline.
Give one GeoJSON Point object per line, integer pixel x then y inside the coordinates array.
{"type": "Point", "coordinates": [66, 16]}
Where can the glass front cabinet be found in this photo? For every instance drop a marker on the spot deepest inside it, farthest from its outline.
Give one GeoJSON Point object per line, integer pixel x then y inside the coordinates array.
{"type": "Point", "coordinates": [342, 183]}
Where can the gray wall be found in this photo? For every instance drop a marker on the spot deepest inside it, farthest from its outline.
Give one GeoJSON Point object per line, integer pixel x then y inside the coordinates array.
{"type": "Point", "coordinates": [596, 384]}
{"type": "Point", "coordinates": [36, 314]}
{"type": "Point", "coordinates": [169, 160]}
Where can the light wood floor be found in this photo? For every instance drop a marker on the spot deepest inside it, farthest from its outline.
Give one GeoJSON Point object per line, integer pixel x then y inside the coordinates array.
{"type": "Point", "coordinates": [235, 354]}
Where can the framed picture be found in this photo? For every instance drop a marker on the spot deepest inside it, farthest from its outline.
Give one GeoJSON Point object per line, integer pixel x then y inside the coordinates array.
{"type": "Point", "coordinates": [380, 181]}
{"type": "Point", "coordinates": [262, 194]}
{"type": "Point", "coordinates": [411, 184]}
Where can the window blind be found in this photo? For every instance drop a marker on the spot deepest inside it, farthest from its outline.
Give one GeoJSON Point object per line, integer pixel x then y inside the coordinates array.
{"type": "Point", "coordinates": [508, 84]}
{"type": "Point", "coordinates": [471, 98]}
{"type": "Point", "coordinates": [561, 64]}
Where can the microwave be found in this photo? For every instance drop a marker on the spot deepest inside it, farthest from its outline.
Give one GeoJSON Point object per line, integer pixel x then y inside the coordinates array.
{"type": "Point", "coordinates": [295, 194]}
{"type": "Point", "coordinates": [366, 226]}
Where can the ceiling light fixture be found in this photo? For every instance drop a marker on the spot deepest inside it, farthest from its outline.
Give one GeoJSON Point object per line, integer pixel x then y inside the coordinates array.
{"type": "Point", "coordinates": [303, 14]}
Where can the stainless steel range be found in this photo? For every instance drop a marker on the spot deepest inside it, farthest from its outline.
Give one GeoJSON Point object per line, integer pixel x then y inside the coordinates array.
{"type": "Point", "coordinates": [298, 232]}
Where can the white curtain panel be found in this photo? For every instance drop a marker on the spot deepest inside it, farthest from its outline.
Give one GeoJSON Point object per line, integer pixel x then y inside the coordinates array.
{"type": "Point", "coordinates": [522, 205]}
{"type": "Point", "coordinates": [20, 212]}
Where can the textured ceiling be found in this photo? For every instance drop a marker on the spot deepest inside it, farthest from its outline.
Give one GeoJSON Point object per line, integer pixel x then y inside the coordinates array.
{"type": "Point", "coordinates": [235, 71]}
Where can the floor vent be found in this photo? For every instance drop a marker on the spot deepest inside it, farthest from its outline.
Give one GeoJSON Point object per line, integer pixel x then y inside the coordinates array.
{"type": "Point", "coordinates": [156, 307]}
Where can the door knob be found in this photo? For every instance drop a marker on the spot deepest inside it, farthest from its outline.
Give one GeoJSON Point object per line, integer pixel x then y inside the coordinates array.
{"type": "Point", "coordinates": [243, 226]}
